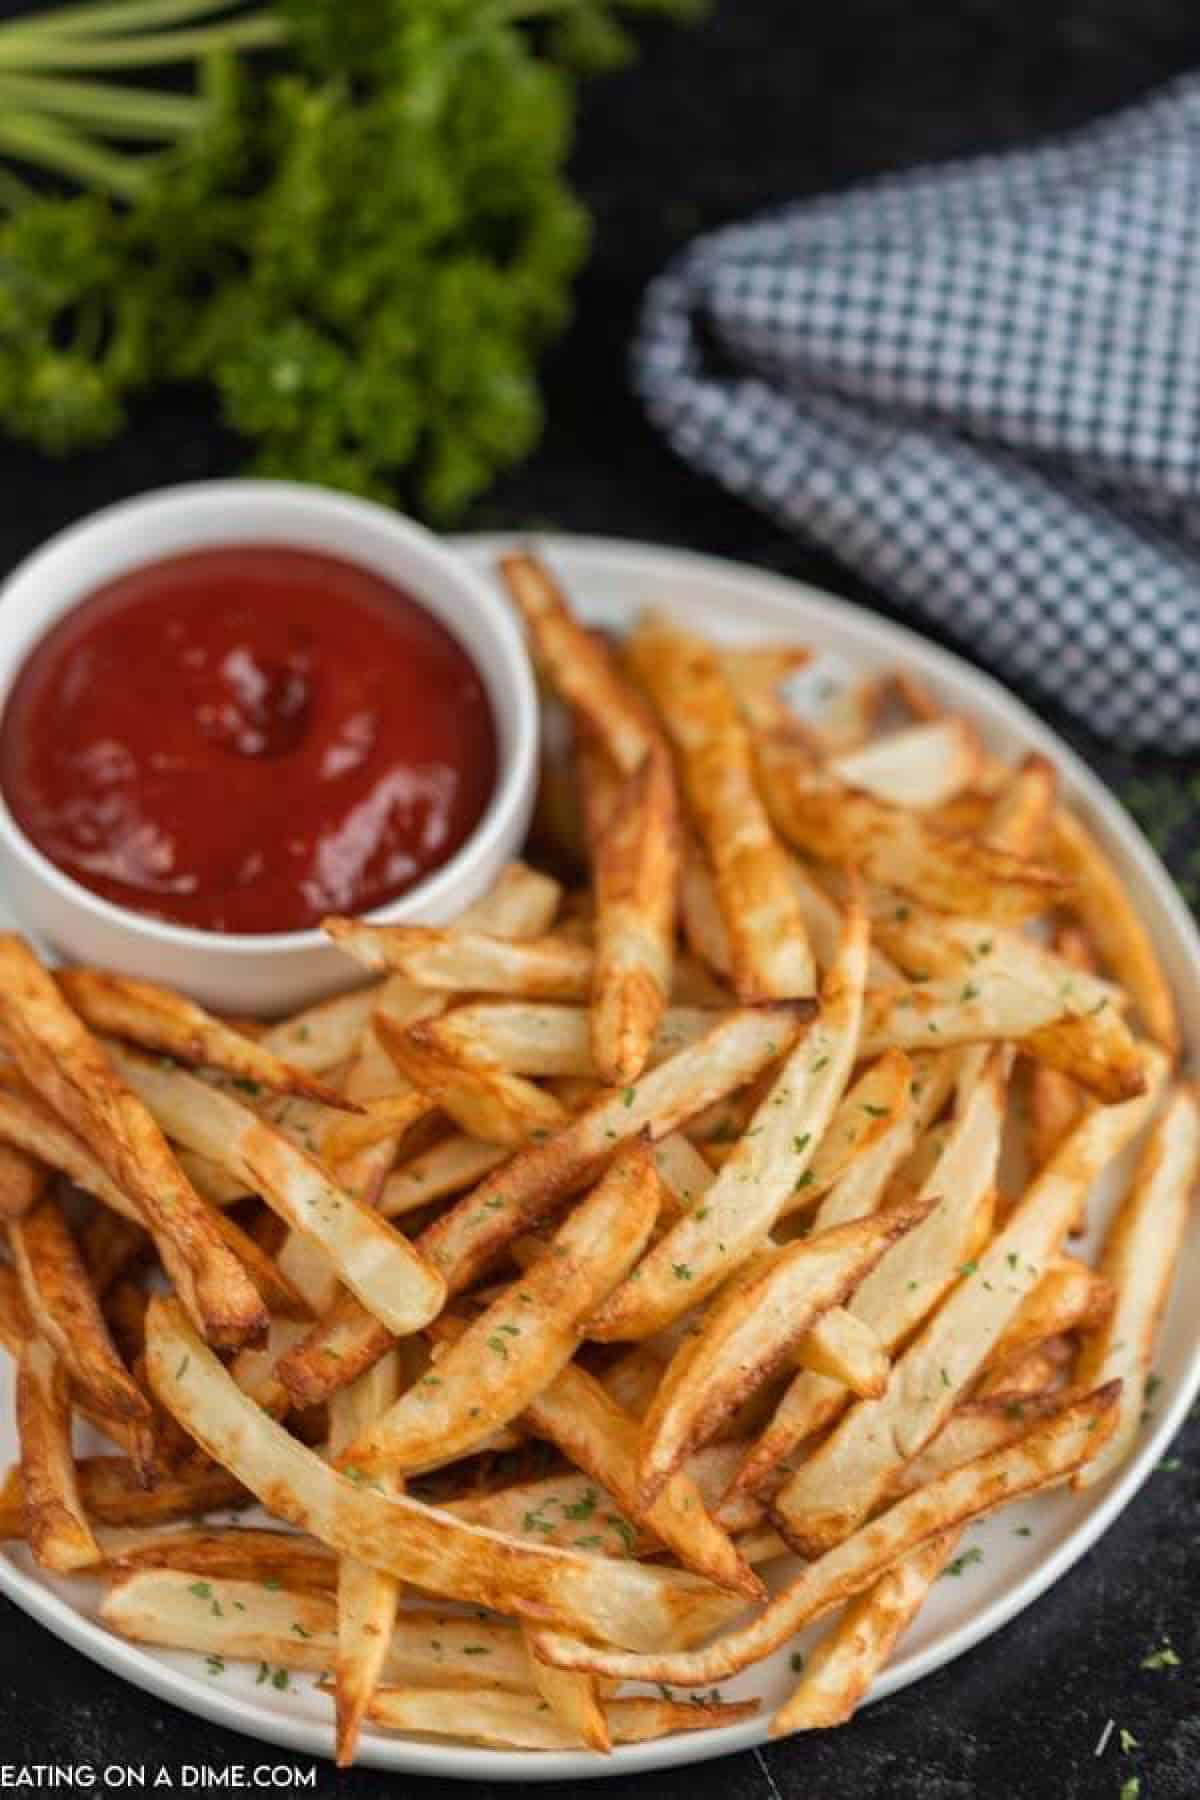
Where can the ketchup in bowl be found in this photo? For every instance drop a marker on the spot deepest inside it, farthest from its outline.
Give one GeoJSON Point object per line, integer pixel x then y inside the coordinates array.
{"type": "Point", "coordinates": [247, 739]}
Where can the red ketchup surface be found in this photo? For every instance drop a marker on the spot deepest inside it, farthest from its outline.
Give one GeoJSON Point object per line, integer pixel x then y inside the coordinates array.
{"type": "Point", "coordinates": [248, 739]}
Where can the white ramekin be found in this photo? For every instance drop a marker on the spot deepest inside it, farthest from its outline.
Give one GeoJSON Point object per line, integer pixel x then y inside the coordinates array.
{"type": "Point", "coordinates": [233, 971]}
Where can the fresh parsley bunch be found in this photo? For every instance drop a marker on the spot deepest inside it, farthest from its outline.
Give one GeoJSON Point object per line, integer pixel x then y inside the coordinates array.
{"type": "Point", "coordinates": [363, 244]}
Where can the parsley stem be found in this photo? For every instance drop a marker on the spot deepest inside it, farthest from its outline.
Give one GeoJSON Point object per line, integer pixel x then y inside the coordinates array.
{"type": "Point", "coordinates": [257, 32]}
{"type": "Point", "coordinates": [49, 146]}
{"type": "Point", "coordinates": [97, 17]}
{"type": "Point", "coordinates": [123, 111]}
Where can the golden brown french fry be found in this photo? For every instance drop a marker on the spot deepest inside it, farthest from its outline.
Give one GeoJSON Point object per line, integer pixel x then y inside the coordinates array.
{"type": "Point", "coordinates": [925, 943]}
{"type": "Point", "coordinates": [635, 859]}
{"type": "Point", "coordinates": [270, 1559]}
{"type": "Point", "coordinates": [157, 1019]}
{"type": "Point", "coordinates": [376, 1263]}
{"type": "Point", "coordinates": [60, 1059]}
{"type": "Point", "coordinates": [1050, 1451]}
{"type": "Point", "coordinates": [569, 1509]}
{"type": "Point", "coordinates": [482, 1098]}
{"type": "Point", "coordinates": [546, 968]}
{"type": "Point", "coordinates": [324, 1036]}
{"type": "Point", "coordinates": [750, 1330]}
{"type": "Point", "coordinates": [1094, 1047]}
{"type": "Point", "coordinates": [706, 1246]}
{"type": "Point", "coordinates": [21, 1182]}
{"type": "Point", "coordinates": [296, 1628]}
{"type": "Point", "coordinates": [898, 848]}
{"type": "Point", "coordinates": [384, 1119]}
{"type": "Point", "coordinates": [1098, 898]}
{"type": "Point", "coordinates": [758, 675]}
{"type": "Point", "coordinates": [110, 1245]}
{"type": "Point", "coordinates": [974, 1429]}
{"type": "Point", "coordinates": [862, 1135]}
{"type": "Point", "coordinates": [456, 1163]}
{"type": "Point", "coordinates": [573, 1700]}
{"type": "Point", "coordinates": [922, 766]}
{"type": "Point", "coordinates": [535, 1038]}
{"type": "Point", "coordinates": [367, 1598]}
{"type": "Point", "coordinates": [1022, 813]}
{"type": "Point", "coordinates": [59, 1535]}
{"type": "Point", "coordinates": [622, 1602]}
{"type": "Point", "coordinates": [518, 1344]}
{"type": "Point", "coordinates": [1069, 1297]}
{"type": "Point", "coordinates": [843, 1348]}
{"type": "Point", "coordinates": [509, 1721]}
{"type": "Point", "coordinates": [530, 1185]}
{"type": "Point", "coordinates": [769, 951]}
{"type": "Point", "coordinates": [838, 1673]}
{"type": "Point", "coordinates": [1137, 1261]}
{"type": "Point", "coordinates": [578, 663]}
{"type": "Point", "coordinates": [836, 1487]}
{"type": "Point", "coordinates": [63, 1305]}
{"type": "Point", "coordinates": [113, 1493]}
{"type": "Point", "coordinates": [577, 1414]}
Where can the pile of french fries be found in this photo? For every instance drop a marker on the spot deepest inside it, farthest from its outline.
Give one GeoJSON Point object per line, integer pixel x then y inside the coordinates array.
{"type": "Point", "coordinates": [707, 1196]}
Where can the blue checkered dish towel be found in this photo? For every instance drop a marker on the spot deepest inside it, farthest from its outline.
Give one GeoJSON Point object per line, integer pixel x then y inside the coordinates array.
{"type": "Point", "coordinates": [979, 386]}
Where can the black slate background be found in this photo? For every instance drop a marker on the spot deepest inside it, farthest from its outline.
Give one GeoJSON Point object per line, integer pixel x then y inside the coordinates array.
{"type": "Point", "coordinates": [767, 101]}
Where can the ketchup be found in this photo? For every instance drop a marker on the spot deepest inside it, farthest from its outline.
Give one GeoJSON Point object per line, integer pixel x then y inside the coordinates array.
{"type": "Point", "coordinates": [247, 740]}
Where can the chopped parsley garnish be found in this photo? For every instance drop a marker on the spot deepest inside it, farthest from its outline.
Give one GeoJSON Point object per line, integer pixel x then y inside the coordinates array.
{"type": "Point", "coordinates": [974, 1555]}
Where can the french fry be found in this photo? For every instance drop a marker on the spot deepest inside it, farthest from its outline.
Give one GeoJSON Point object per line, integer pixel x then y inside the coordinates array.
{"type": "Point", "coordinates": [248, 1621]}
{"type": "Point", "coordinates": [21, 1182]}
{"type": "Point", "coordinates": [898, 848]}
{"type": "Point", "coordinates": [463, 1242]}
{"type": "Point", "coordinates": [508, 1721]}
{"type": "Point", "coordinates": [539, 1039]}
{"type": "Point", "coordinates": [578, 663]}
{"type": "Point", "coordinates": [113, 1493]}
{"type": "Point", "coordinates": [974, 1429]}
{"type": "Point", "coordinates": [588, 1426]}
{"type": "Point", "coordinates": [156, 1019]}
{"type": "Point", "coordinates": [699, 912]}
{"type": "Point", "coordinates": [838, 1673]}
{"type": "Point", "coordinates": [375, 1262]}
{"type": "Point", "coordinates": [621, 1602]}
{"type": "Point", "coordinates": [769, 951]}
{"type": "Point", "coordinates": [862, 1133]}
{"type": "Point", "coordinates": [922, 766]}
{"type": "Point", "coordinates": [837, 1486]}
{"type": "Point", "coordinates": [1094, 1047]}
{"type": "Point", "coordinates": [705, 1247]}
{"type": "Point", "coordinates": [518, 1344]}
{"type": "Point", "coordinates": [1022, 813]}
{"type": "Point", "coordinates": [546, 968]}
{"type": "Point", "coordinates": [367, 1598]}
{"type": "Point", "coordinates": [324, 1036]}
{"type": "Point", "coordinates": [1049, 1452]}
{"type": "Point", "coordinates": [1137, 1261]}
{"type": "Point", "coordinates": [65, 1310]}
{"type": "Point", "coordinates": [110, 1245]}
{"type": "Point", "coordinates": [270, 1559]}
{"type": "Point", "coordinates": [748, 1333]}
{"type": "Point", "coordinates": [59, 1058]}
{"type": "Point", "coordinates": [59, 1535]}
{"type": "Point", "coordinates": [483, 1099]}
{"type": "Point", "coordinates": [925, 943]}
{"type": "Point", "coordinates": [573, 1699]}
{"type": "Point", "coordinates": [1069, 1297]}
{"type": "Point", "coordinates": [758, 675]}
{"type": "Point", "coordinates": [385, 1119]}
{"type": "Point", "coordinates": [911, 1279]}
{"type": "Point", "coordinates": [457, 1162]}
{"type": "Point", "coordinates": [842, 1348]}
{"type": "Point", "coordinates": [568, 1509]}
{"type": "Point", "coordinates": [1100, 902]}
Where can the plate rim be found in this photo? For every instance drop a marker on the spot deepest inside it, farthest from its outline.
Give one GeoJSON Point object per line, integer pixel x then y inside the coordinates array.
{"type": "Point", "coordinates": [472, 1763]}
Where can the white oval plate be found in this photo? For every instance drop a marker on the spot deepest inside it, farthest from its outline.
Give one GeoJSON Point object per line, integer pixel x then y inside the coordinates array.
{"type": "Point", "coordinates": [1025, 1548]}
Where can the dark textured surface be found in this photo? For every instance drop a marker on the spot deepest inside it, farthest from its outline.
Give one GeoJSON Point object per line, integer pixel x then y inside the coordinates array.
{"type": "Point", "coordinates": [768, 101]}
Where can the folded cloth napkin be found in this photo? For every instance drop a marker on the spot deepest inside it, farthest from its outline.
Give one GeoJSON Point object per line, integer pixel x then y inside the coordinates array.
{"type": "Point", "coordinates": [979, 386]}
